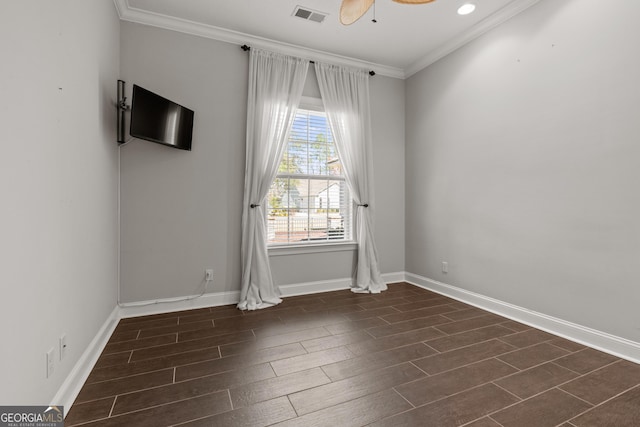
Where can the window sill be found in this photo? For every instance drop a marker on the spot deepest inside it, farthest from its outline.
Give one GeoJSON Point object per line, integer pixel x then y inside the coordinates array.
{"type": "Point", "coordinates": [311, 248]}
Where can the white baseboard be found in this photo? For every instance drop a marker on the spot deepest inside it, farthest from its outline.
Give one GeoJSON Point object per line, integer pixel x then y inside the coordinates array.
{"type": "Point", "coordinates": [608, 343]}
{"type": "Point", "coordinates": [330, 285]}
{"type": "Point", "coordinates": [603, 341]}
{"type": "Point", "coordinates": [71, 386]}
{"type": "Point", "coordinates": [314, 287]}
{"type": "Point", "coordinates": [394, 277]}
{"type": "Point", "coordinates": [145, 308]}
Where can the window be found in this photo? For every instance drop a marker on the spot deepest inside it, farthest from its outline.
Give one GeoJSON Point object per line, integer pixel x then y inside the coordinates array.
{"type": "Point", "coordinates": [309, 201]}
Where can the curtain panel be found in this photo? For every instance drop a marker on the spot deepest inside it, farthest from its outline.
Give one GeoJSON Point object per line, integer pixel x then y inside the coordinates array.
{"type": "Point", "coordinates": [345, 94]}
{"type": "Point", "coordinates": [275, 87]}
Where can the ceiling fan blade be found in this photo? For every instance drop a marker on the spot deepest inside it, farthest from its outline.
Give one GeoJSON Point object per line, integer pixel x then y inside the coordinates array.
{"type": "Point", "coordinates": [352, 10]}
{"type": "Point", "coordinates": [414, 1]}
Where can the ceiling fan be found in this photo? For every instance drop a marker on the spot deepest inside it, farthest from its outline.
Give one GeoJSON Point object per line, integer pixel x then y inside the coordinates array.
{"type": "Point", "coordinates": [352, 10]}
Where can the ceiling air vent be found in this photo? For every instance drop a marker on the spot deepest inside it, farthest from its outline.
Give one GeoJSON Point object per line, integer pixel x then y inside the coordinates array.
{"type": "Point", "coordinates": [308, 14]}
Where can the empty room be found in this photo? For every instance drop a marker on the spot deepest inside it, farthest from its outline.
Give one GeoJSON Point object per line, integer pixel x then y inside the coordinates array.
{"type": "Point", "coordinates": [320, 213]}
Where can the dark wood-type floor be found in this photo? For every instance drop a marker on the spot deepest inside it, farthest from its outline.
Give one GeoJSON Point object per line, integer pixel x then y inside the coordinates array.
{"type": "Point", "coordinates": [406, 357]}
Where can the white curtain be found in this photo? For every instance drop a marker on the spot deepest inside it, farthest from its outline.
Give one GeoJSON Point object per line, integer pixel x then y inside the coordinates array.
{"type": "Point", "coordinates": [275, 87]}
{"type": "Point", "coordinates": [345, 94]}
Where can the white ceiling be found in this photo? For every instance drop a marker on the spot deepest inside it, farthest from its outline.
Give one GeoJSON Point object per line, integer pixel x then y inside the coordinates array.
{"type": "Point", "coordinates": [405, 39]}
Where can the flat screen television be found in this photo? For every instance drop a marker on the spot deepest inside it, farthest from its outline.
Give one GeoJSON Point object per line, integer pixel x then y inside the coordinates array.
{"type": "Point", "coordinates": [160, 120]}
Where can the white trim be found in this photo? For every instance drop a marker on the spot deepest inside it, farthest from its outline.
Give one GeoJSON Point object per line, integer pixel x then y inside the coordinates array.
{"type": "Point", "coordinates": [330, 285]}
{"type": "Point", "coordinates": [314, 287]}
{"type": "Point", "coordinates": [603, 341]}
{"type": "Point", "coordinates": [490, 22]}
{"type": "Point", "coordinates": [145, 308]}
{"type": "Point", "coordinates": [608, 343]}
{"type": "Point", "coordinates": [72, 385]}
{"type": "Point", "coordinates": [311, 248]}
{"type": "Point", "coordinates": [394, 277]}
{"type": "Point", "coordinates": [131, 14]}
{"type": "Point", "coordinates": [128, 13]}
{"type": "Point", "coordinates": [68, 391]}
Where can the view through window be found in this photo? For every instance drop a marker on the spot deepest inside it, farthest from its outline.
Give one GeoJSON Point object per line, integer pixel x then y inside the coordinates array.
{"type": "Point", "coordinates": [308, 201]}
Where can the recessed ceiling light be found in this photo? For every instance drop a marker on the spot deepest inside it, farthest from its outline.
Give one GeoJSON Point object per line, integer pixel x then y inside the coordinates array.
{"type": "Point", "coordinates": [466, 9]}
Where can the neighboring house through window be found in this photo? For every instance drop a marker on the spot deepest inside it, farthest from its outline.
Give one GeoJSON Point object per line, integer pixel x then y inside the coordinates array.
{"type": "Point", "coordinates": [309, 201]}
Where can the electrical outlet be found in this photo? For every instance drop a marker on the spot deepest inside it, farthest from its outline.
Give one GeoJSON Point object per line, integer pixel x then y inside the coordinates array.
{"type": "Point", "coordinates": [63, 346]}
{"type": "Point", "coordinates": [208, 274]}
{"type": "Point", "coordinates": [445, 267]}
{"type": "Point", "coordinates": [50, 361]}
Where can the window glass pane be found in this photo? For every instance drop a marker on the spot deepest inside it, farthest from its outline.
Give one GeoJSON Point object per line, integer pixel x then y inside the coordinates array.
{"type": "Point", "coordinates": [299, 193]}
{"type": "Point", "coordinates": [309, 201]}
{"type": "Point", "coordinates": [338, 209]}
{"type": "Point", "coordinates": [334, 166]}
{"type": "Point", "coordinates": [299, 226]}
{"type": "Point", "coordinates": [277, 197]}
{"type": "Point", "coordinates": [298, 144]}
{"type": "Point", "coordinates": [284, 163]}
{"type": "Point", "coordinates": [297, 151]}
{"type": "Point", "coordinates": [318, 141]}
{"type": "Point", "coordinates": [277, 229]}
{"type": "Point", "coordinates": [317, 225]}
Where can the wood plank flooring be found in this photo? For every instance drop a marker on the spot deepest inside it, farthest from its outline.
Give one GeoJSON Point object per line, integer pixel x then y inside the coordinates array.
{"type": "Point", "coordinates": [406, 357]}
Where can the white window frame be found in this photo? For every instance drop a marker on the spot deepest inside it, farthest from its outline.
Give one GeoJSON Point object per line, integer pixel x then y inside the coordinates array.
{"type": "Point", "coordinates": [280, 249]}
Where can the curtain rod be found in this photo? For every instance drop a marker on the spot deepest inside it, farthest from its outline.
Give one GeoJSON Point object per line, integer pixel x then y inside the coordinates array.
{"type": "Point", "coordinates": [246, 48]}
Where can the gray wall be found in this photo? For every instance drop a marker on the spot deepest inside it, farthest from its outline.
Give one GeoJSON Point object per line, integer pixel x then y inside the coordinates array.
{"type": "Point", "coordinates": [523, 164]}
{"type": "Point", "coordinates": [387, 117]}
{"type": "Point", "coordinates": [59, 175]}
{"type": "Point", "coordinates": [181, 211]}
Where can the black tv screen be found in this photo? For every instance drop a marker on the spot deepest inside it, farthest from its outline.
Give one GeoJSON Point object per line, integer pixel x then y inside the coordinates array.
{"type": "Point", "coordinates": [160, 120]}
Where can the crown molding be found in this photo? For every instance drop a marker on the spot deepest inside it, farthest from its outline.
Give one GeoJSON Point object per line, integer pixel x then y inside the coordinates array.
{"type": "Point", "coordinates": [128, 13]}
{"type": "Point", "coordinates": [490, 22]}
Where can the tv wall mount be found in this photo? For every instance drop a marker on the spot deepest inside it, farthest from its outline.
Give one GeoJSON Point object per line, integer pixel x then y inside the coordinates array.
{"type": "Point", "coordinates": [122, 108]}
